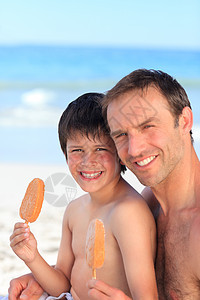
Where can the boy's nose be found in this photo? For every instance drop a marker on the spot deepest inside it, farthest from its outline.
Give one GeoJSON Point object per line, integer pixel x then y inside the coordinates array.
{"type": "Point", "coordinates": [89, 159]}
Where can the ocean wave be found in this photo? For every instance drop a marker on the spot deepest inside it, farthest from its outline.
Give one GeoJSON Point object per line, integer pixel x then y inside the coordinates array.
{"type": "Point", "coordinates": [35, 110]}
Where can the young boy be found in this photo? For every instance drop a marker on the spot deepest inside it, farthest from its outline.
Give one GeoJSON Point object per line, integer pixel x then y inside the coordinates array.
{"type": "Point", "coordinates": [130, 233]}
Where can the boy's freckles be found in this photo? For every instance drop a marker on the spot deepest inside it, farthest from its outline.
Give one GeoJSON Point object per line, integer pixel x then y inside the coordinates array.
{"type": "Point", "coordinates": [93, 163]}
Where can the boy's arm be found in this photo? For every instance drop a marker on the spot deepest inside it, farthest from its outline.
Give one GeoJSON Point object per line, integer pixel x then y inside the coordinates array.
{"type": "Point", "coordinates": [57, 280]}
{"type": "Point", "coordinates": [134, 229]}
{"type": "Point", "coordinates": [65, 259]}
{"type": "Point", "coordinates": [53, 280]}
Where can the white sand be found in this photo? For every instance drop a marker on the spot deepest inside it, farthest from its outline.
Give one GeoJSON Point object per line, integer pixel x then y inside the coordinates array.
{"type": "Point", "coordinates": [47, 229]}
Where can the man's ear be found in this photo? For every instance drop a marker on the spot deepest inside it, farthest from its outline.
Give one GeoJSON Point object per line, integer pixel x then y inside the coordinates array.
{"type": "Point", "coordinates": [186, 120]}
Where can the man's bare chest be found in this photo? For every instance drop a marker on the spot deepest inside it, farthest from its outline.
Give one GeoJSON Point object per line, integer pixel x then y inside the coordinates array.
{"type": "Point", "coordinates": [174, 277]}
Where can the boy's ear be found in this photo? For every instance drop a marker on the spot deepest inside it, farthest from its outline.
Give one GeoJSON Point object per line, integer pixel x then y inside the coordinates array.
{"type": "Point", "coordinates": [186, 120]}
{"type": "Point", "coordinates": [121, 162]}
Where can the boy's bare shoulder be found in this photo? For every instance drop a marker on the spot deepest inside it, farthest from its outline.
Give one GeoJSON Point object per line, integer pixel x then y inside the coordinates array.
{"type": "Point", "coordinates": [131, 212]}
{"type": "Point", "coordinates": [74, 206]}
{"type": "Point", "coordinates": [130, 202]}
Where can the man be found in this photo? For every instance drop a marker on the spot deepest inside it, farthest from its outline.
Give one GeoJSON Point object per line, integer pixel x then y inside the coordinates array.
{"type": "Point", "coordinates": [150, 121]}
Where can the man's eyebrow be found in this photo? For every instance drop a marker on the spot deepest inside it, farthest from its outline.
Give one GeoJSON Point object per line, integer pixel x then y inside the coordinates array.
{"type": "Point", "coordinates": [119, 131]}
{"type": "Point", "coordinates": [149, 120]}
{"type": "Point", "coordinates": [116, 132]}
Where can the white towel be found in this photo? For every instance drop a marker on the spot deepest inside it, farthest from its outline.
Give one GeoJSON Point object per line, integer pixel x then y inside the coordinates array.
{"type": "Point", "coordinates": [68, 296]}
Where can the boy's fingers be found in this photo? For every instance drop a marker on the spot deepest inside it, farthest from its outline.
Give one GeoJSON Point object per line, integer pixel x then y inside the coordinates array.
{"type": "Point", "coordinates": [19, 229]}
{"type": "Point", "coordinates": [20, 225]}
{"type": "Point", "coordinates": [17, 239]}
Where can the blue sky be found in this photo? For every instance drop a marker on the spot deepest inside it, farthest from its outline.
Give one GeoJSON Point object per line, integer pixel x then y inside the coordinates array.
{"type": "Point", "coordinates": [157, 24]}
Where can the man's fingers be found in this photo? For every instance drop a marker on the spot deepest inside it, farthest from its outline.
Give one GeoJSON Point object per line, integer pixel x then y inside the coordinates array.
{"type": "Point", "coordinates": [97, 295]}
{"type": "Point", "coordinates": [100, 286]}
{"type": "Point", "coordinates": [98, 290]}
{"type": "Point", "coordinates": [32, 291]}
{"type": "Point", "coordinates": [14, 290]}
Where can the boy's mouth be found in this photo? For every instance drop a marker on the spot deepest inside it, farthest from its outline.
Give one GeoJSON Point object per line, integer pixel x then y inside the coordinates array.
{"type": "Point", "coordinates": [91, 175]}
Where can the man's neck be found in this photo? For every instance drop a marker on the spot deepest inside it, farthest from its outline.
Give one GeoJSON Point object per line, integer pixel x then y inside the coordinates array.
{"type": "Point", "coordinates": [178, 190]}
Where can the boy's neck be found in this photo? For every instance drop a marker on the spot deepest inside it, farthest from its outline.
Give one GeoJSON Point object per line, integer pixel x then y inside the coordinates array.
{"type": "Point", "coordinates": [108, 193]}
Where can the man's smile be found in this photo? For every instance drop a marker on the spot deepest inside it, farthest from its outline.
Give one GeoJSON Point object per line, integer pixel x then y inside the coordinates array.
{"type": "Point", "coordinates": [145, 161]}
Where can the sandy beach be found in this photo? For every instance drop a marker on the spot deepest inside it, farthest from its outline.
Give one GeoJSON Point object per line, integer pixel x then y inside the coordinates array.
{"type": "Point", "coordinates": [47, 229]}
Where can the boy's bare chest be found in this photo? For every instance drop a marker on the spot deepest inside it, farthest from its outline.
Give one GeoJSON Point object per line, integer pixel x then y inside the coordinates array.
{"type": "Point", "coordinates": [173, 270]}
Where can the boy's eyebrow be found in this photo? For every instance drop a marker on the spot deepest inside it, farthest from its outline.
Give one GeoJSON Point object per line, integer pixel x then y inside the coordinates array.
{"type": "Point", "coordinates": [119, 131]}
{"type": "Point", "coordinates": [74, 146]}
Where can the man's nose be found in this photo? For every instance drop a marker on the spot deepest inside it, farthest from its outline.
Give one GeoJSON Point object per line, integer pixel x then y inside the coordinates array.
{"type": "Point", "coordinates": [136, 145]}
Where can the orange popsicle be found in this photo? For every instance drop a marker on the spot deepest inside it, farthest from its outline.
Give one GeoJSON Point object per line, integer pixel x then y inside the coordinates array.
{"type": "Point", "coordinates": [32, 202]}
{"type": "Point", "coordinates": [95, 245]}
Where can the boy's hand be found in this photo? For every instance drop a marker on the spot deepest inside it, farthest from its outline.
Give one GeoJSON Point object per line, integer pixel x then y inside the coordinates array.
{"type": "Point", "coordinates": [99, 290]}
{"type": "Point", "coordinates": [23, 242]}
{"type": "Point", "coordinates": [24, 287]}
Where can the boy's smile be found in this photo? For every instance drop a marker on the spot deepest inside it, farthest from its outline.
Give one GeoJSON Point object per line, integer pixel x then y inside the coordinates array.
{"type": "Point", "coordinates": [94, 164]}
{"type": "Point", "coordinates": [91, 175]}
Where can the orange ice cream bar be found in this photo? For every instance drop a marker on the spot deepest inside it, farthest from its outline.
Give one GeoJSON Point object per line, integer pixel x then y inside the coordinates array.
{"type": "Point", "coordinates": [95, 245]}
{"type": "Point", "coordinates": [32, 202]}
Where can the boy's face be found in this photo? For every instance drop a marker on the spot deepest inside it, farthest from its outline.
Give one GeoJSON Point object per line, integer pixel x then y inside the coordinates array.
{"type": "Point", "coordinates": [94, 164]}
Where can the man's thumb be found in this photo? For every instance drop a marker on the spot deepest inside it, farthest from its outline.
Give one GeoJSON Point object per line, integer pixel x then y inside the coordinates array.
{"type": "Point", "coordinates": [33, 289]}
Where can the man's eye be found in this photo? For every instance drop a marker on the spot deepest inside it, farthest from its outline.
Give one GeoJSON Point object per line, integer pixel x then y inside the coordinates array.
{"type": "Point", "coordinates": [121, 134]}
{"type": "Point", "coordinates": [148, 126]}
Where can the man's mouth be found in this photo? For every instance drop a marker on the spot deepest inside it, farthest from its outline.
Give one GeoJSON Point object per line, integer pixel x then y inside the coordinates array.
{"type": "Point", "coordinates": [145, 161]}
{"type": "Point", "coordinates": [91, 175]}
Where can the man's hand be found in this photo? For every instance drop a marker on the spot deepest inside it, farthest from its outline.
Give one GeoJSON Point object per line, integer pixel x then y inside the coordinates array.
{"type": "Point", "coordinates": [24, 287]}
{"type": "Point", "coordinates": [99, 290]}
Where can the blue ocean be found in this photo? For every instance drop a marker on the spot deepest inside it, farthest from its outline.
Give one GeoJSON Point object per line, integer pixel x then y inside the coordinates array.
{"type": "Point", "coordinates": [38, 82]}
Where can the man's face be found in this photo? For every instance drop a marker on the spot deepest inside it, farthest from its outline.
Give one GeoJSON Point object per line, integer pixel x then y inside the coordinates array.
{"type": "Point", "coordinates": [143, 129]}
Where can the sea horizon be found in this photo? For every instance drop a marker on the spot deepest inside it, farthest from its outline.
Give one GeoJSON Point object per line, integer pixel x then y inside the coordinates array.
{"type": "Point", "coordinates": [37, 82]}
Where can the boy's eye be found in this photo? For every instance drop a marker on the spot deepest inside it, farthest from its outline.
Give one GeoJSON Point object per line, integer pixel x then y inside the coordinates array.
{"type": "Point", "coordinates": [76, 150]}
{"type": "Point", "coordinates": [101, 149]}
